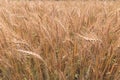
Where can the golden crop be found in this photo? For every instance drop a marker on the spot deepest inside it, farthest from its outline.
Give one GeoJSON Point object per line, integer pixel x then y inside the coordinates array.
{"type": "Point", "coordinates": [50, 40]}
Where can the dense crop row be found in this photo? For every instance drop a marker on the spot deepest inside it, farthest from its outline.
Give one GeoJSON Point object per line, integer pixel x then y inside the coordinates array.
{"type": "Point", "coordinates": [59, 40]}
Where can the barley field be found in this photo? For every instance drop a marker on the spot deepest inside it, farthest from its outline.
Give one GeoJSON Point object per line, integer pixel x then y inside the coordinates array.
{"type": "Point", "coordinates": [59, 40]}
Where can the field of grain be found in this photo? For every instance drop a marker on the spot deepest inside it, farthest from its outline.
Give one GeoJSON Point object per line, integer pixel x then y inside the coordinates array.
{"type": "Point", "coordinates": [48, 40]}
